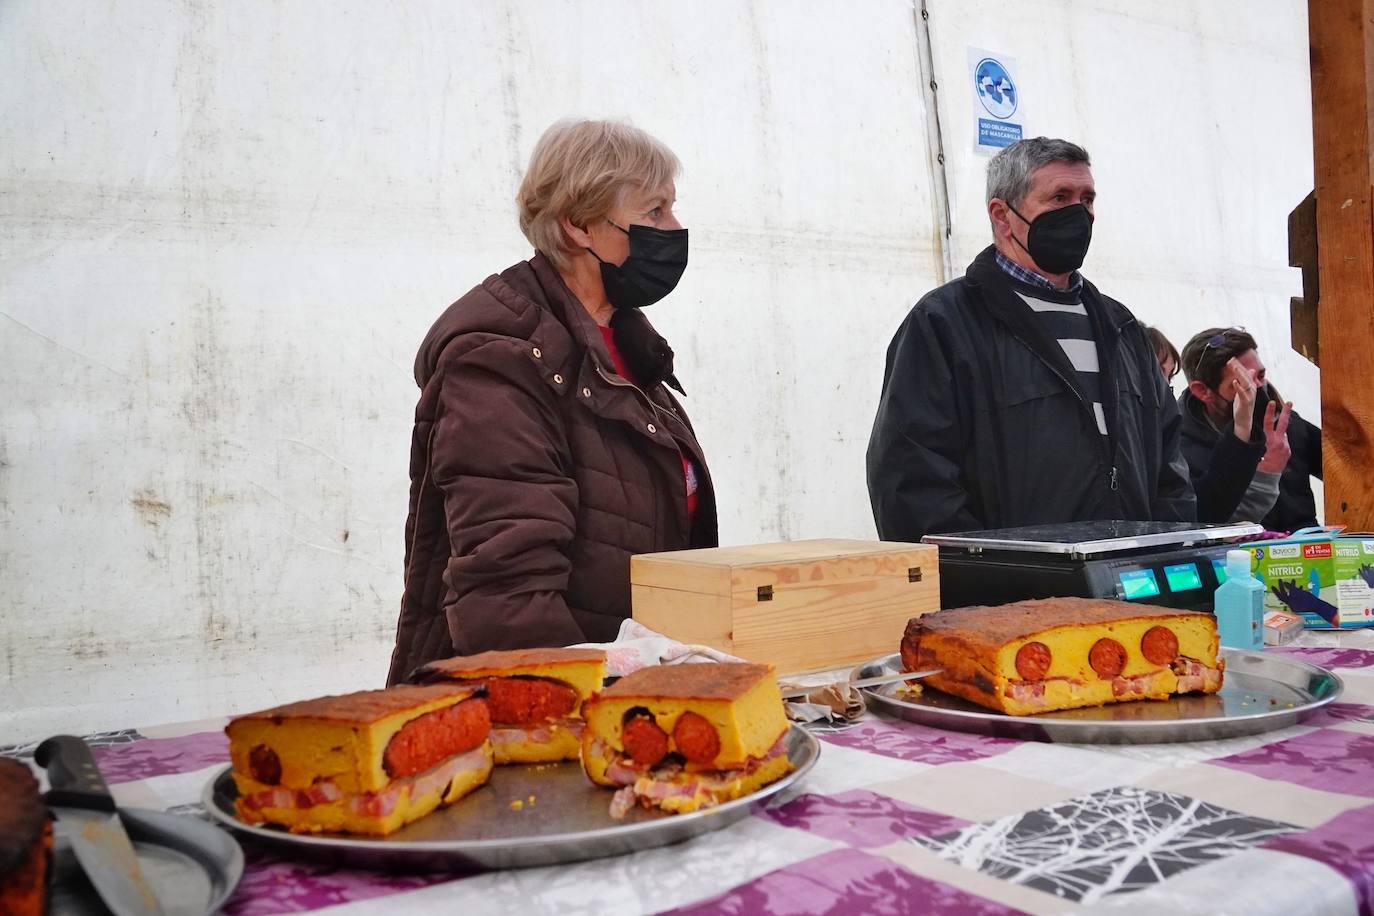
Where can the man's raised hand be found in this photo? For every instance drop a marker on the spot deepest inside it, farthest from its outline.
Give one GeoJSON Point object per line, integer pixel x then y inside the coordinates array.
{"type": "Point", "coordinates": [1276, 450]}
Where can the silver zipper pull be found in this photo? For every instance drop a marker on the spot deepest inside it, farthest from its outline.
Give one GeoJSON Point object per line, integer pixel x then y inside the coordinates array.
{"type": "Point", "coordinates": [1113, 478]}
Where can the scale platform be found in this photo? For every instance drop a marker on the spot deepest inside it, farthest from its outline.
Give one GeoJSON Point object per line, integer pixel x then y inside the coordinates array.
{"type": "Point", "coordinates": [1172, 564]}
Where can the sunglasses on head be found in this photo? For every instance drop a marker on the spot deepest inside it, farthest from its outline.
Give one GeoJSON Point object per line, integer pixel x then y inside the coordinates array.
{"type": "Point", "coordinates": [1214, 341]}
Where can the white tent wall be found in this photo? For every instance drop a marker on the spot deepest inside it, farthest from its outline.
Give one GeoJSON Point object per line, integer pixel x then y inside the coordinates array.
{"type": "Point", "coordinates": [227, 227]}
{"type": "Point", "coordinates": [224, 228]}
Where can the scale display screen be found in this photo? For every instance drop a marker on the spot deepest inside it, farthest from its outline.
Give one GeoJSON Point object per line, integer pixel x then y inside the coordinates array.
{"type": "Point", "coordinates": [1139, 583]}
{"type": "Point", "coordinates": [1182, 577]}
{"type": "Point", "coordinates": [1219, 567]}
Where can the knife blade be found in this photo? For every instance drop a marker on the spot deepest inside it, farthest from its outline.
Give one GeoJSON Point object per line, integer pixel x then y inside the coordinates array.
{"type": "Point", "coordinates": [89, 819]}
{"type": "Point", "coordinates": [875, 681]}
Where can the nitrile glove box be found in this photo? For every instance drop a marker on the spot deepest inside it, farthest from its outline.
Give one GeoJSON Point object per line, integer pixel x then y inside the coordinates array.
{"type": "Point", "coordinates": [1324, 577]}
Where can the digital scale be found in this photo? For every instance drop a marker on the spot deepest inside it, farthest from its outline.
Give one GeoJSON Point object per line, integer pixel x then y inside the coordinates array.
{"type": "Point", "coordinates": [1171, 564]}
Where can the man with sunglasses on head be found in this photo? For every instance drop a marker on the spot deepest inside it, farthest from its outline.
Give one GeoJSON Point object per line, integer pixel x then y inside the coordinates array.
{"type": "Point", "coordinates": [1250, 455]}
{"type": "Point", "coordinates": [1019, 394]}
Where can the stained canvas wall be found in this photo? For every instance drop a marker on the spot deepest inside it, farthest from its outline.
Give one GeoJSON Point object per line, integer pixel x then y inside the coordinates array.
{"type": "Point", "coordinates": [224, 228]}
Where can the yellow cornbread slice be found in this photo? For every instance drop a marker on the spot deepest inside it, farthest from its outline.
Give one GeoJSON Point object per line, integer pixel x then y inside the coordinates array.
{"type": "Point", "coordinates": [978, 649]}
{"type": "Point", "coordinates": [581, 669]}
{"type": "Point", "coordinates": [740, 700]}
{"type": "Point", "coordinates": [414, 797]}
{"type": "Point", "coordinates": [338, 738]}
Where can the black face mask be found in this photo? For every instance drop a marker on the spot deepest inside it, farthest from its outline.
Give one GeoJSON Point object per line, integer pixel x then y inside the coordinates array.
{"type": "Point", "coordinates": [656, 262]}
{"type": "Point", "coordinates": [1058, 239]}
{"type": "Point", "coordinates": [1261, 404]}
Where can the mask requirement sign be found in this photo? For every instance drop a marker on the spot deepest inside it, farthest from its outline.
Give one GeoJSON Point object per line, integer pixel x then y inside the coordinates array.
{"type": "Point", "coordinates": [998, 114]}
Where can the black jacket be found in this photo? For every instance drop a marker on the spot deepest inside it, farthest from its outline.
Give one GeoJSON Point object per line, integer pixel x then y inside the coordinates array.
{"type": "Point", "coordinates": [1221, 466]}
{"type": "Point", "coordinates": [982, 424]}
{"type": "Point", "coordinates": [1297, 507]}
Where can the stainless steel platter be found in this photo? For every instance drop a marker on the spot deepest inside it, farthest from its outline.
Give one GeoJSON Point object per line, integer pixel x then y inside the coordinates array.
{"type": "Point", "coordinates": [560, 817]}
{"type": "Point", "coordinates": [1262, 692]}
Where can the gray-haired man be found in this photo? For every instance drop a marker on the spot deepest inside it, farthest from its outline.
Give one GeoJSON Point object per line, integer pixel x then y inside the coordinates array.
{"type": "Point", "coordinates": [1019, 394]}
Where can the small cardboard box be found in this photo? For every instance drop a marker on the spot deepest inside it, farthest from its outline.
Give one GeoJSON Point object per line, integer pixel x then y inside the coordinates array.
{"type": "Point", "coordinates": [1281, 627]}
{"type": "Point", "coordinates": [1325, 578]}
{"type": "Point", "coordinates": [802, 605]}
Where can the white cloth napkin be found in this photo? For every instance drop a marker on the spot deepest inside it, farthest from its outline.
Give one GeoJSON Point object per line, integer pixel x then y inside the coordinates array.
{"type": "Point", "coordinates": [636, 646]}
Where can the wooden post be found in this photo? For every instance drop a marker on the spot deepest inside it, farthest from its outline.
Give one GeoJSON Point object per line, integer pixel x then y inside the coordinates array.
{"type": "Point", "coordinates": [1342, 42]}
{"type": "Point", "coordinates": [1302, 252]}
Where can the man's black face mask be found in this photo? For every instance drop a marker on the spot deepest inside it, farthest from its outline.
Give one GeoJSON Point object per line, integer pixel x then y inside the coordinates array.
{"type": "Point", "coordinates": [656, 262]}
{"type": "Point", "coordinates": [1058, 239]}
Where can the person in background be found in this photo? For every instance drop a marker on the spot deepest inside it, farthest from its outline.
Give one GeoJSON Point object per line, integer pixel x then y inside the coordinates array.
{"type": "Point", "coordinates": [1019, 394]}
{"type": "Point", "coordinates": [1165, 352]}
{"type": "Point", "coordinates": [547, 447]}
{"type": "Point", "coordinates": [1250, 455]}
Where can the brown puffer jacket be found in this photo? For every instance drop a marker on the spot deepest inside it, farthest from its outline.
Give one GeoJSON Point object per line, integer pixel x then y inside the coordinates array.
{"type": "Point", "coordinates": [536, 472]}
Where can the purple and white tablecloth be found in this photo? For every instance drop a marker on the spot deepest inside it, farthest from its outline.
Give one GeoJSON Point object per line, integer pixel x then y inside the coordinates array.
{"type": "Point", "coordinates": [900, 818]}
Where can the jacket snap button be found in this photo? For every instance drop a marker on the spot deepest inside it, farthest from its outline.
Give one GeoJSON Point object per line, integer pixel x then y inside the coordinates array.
{"type": "Point", "coordinates": [538, 354]}
{"type": "Point", "coordinates": [652, 428]}
{"type": "Point", "coordinates": [586, 392]}
{"type": "Point", "coordinates": [557, 379]}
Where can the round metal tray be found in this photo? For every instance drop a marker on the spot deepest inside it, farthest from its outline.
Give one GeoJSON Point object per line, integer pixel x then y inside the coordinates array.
{"type": "Point", "coordinates": [192, 866]}
{"type": "Point", "coordinates": [1261, 692]}
{"type": "Point", "coordinates": [561, 817]}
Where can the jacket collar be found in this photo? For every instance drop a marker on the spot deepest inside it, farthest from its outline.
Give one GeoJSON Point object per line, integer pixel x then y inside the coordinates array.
{"type": "Point", "coordinates": [581, 350]}
{"type": "Point", "coordinates": [1196, 423]}
{"type": "Point", "coordinates": [1016, 271]}
{"type": "Point", "coordinates": [985, 272]}
{"type": "Point", "coordinates": [643, 348]}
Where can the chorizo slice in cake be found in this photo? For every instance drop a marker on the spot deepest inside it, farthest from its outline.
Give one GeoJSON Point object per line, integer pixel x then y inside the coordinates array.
{"type": "Point", "coordinates": [535, 697]}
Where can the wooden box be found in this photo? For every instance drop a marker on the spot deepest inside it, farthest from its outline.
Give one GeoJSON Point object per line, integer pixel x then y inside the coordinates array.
{"type": "Point", "coordinates": [802, 605]}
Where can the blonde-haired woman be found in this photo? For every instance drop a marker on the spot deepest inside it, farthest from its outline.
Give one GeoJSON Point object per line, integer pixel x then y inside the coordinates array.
{"type": "Point", "coordinates": [547, 448]}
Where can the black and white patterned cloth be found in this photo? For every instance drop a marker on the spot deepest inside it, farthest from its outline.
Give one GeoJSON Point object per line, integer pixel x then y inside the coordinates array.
{"type": "Point", "coordinates": [1114, 841]}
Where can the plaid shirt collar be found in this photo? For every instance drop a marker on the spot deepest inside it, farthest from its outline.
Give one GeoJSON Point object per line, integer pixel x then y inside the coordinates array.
{"type": "Point", "coordinates": [1017, 272]}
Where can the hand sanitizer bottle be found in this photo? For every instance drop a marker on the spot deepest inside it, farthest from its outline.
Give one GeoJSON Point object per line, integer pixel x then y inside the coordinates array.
{"type": "Point", "coordinates": [1239, 606]}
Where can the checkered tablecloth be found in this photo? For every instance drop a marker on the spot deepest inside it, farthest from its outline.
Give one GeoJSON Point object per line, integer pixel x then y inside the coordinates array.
{"type": "Point", "coordinates": [900, 818]}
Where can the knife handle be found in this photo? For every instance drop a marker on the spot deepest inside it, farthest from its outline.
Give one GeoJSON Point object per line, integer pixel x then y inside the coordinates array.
{"type": "Point", "coordinates": [74, 778]}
